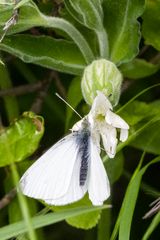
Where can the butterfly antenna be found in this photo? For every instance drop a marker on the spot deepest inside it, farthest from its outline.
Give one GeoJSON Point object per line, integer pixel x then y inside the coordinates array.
{"type": "Point", "coordinates": [68, 104]}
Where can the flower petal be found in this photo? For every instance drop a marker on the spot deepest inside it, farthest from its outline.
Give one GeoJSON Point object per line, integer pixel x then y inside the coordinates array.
{"type": "Point", "coordinates": [110, 141]}
{"type": "Point", "coordinates": [115, 120]}
{"type": "Point", "coordinates": [103, 98]}
{"type": "Point", "coordinates": [100, 105]}
{"type": "Point", "coordinates": [123, 135]}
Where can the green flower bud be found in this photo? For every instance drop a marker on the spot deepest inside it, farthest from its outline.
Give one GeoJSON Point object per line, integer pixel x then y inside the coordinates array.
{"type": "Point", "coordinates": [104, 76]}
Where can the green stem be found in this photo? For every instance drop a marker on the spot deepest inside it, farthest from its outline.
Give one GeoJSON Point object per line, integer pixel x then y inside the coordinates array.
{"type": "Point", "coordinates": [67, 27]}
{"type": "Point", "coordinates": [103, 43]}
{"type": "Point", "coordinates": [23, 205]}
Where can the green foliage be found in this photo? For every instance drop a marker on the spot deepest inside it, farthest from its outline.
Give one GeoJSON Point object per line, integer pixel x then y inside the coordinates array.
{"type": "Point", "coordinates": [25, 133]}
{"type": "Point", "coordinates": [10, 102]}
{"type": "Point", "coordinates": [84, 221]}
{"type": "Point", "coordinates": [151, 22]}
{"type": "Point", "coordinates": [123, 28]}
{"type": "Point", "coordinates": [26, 47]}
{"type": "Point", "coordinates": [138, 68]}
{"type": "Point", "coordinates": [45, 47]}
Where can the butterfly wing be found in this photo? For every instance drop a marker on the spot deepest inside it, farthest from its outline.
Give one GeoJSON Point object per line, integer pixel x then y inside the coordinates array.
{"type": "Point", "coordinates": [75, 191]}
{"type": "Point", "coordinates": [98, 183]}
{"type": "Point", "coordinates": [50, 176]}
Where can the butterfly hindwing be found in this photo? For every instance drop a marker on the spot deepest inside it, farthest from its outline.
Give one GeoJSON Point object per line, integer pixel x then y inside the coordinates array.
{"type": "Point", "coordinates": [98, 184]}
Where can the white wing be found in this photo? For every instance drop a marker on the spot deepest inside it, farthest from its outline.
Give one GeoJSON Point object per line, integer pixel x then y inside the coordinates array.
{"type": "Point", "coordinates": [75, 191]}
{"type": "Point", "coordinates": [50, 177]}
{"type": "Point", "coordinates": [98, 185]}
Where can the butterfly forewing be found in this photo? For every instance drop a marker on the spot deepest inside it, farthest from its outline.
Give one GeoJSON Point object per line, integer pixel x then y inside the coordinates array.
{"type": "Point", "coordinates": [49, 177]}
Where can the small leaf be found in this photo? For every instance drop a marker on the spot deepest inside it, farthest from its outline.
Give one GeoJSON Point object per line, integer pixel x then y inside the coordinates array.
{"type": "Point", "coordinates": [123, 28]}
{"type": "Point", "coordinates": [138, 68]}
{"type": "Point", "coordinates": [88, 13]}
{"type": "Point", "coordinates": [151, 23]}
{"type": "Point", "coordinates": [45, 51]}
{"type": "Point", "coordinates": [20, 139]}
{"type": "Point", "coordinates": [84, 221]}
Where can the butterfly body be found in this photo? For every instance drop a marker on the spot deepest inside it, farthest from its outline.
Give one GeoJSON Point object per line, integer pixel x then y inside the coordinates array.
{"type": "Point", "coordinates": [83, 142]}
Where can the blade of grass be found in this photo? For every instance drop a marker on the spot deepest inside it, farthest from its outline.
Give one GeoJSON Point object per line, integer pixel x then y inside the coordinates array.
{"type": "Point", "coordinates": [124, 220]}
{"type": "Point", "coordinates": [138, 95]}
{"type": "Point", "coordinates": [152, 226]}
{"type": "Point", "coordinates": [44, 220]}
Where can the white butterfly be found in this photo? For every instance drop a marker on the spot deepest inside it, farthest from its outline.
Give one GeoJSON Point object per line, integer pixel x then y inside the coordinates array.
{"type": "Point", "coordinates": [68, 170]}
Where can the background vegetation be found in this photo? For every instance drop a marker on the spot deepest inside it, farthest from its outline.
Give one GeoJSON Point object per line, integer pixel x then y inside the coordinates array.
{"type": "Point", "coordinates": [44, 49]}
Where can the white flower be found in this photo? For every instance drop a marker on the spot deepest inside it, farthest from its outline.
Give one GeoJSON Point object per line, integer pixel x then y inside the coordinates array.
{"type": "Point", "coordinates": [105, 123]}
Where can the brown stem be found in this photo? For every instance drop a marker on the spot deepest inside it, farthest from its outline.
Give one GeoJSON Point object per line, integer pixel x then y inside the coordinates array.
{"type": "Point", "coordinates": [24, 89]}
{"type": "Point", "coordinates": [8, 198]}
{"type": "Point", "coordinates": [37, 104]}
{"type": "Point", "coordinates": [155, 59]}
{"type": "Point", "coordinates": [143, 50]}
{"type": "Point", "coordinates": [58, 84]}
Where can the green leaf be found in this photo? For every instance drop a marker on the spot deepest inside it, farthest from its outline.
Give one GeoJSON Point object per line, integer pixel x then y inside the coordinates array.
{"type": "Point", "coordinates": [30, 16]}
{"type": "Point", "coordinates": [41, 221]}
{"type": "Point", "coordinates": [6, 2]}
{"type": "Point", "coordinates": [137, 111]}
{"type": "Point", "coordinates": [84, 221]}
{"type": "Point", "coordinates": [138, 68]}
{"type": "Point", "coordinates": [11, 104]}
{"type": "Point", "coordinates": [149, 139]}
{"type": "Point", "coordinates": [123, 28]}
{"type": "Point", "coordinates": [137, 114]}
{"type": "Point", "coordinates": [45, 51]}
{"type": "Point", "coordinates": [90, 14]}
{"type": "Point", "coordinates": [20, 139]}
{"type": "Point", "coordinates": [151, 23]}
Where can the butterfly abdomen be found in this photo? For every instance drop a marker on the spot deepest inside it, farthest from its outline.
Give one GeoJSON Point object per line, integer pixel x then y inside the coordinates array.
{"type": "Point", "coordinates": [84, 147]}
